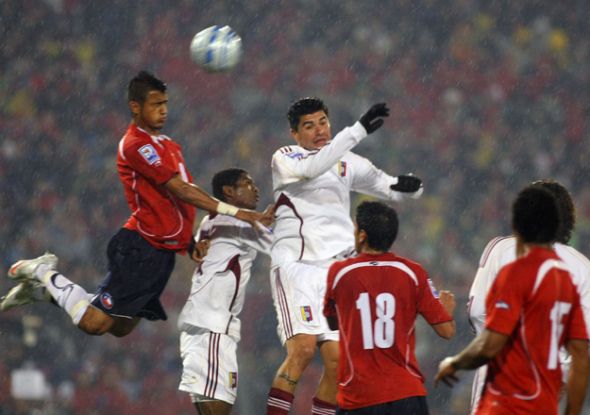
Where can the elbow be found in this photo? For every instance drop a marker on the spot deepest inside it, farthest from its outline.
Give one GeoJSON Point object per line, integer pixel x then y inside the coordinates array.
{"type": "Point", "coordinates": [447, 330]}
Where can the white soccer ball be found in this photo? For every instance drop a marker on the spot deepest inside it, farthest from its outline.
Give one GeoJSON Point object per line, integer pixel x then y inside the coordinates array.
{"type": "Point", "coordinates": [216, 49]}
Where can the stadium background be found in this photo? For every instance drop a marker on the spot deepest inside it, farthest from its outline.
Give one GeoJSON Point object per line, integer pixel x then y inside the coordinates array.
{"type": "Point", "coordinates": [485, 97]}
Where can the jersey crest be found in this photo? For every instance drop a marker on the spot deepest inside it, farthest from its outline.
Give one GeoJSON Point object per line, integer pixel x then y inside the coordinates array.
{"type": "Point", "coordinates": [106, 300]}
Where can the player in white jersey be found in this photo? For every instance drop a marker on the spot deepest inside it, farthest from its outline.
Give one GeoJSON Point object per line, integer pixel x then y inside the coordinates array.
{"type": "Point", "coordinates": [312, 182]}
{"type": "Point", "coordinates": [209, 323]}
{"type": "Point", "coordinates": [501, 251]}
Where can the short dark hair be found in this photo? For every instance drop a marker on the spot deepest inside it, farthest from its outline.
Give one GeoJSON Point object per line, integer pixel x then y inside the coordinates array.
{"type": "Point", "coordinates": [228, 177]}
{"type": "Point", "coordinates": [141, 85]}
{"type": "Point", "coordinates": [304, 106]}
{"type": "Point", "coordinates": [566, 208]}
{"type": "Point", "coordinates": [380, 223]}
{"type": "Point", "coordinates": [535, 215]}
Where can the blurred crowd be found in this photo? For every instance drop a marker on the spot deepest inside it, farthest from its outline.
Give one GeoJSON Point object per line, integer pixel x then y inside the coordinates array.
{"type": "Point", "coordinates": [485, 97]}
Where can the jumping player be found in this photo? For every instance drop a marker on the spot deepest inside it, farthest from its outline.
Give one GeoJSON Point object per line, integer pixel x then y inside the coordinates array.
{"type": "Point", "coordinates": [374, 299]}
{"type": "Point", "coordinates": [501, 251]}
{"type": "Point", "coordinates": [312, 182]}
{"type": "Point", "coordinates": [209, 323]}
{"type": "Point", "coordinates": [141, 255]}
{"type": "Point", "coordinates": [533, 309]}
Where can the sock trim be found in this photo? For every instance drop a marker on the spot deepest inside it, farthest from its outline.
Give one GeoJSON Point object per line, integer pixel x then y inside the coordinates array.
{"type": "Point", "coordinates": [47, 276]}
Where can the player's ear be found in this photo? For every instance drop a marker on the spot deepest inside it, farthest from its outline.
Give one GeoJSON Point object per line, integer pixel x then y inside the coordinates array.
{"type": "Point", "coordinates": [228, 193]}
{"type": "Point", "coordinates": [295, 135]}
{"type": "Point", "coordinates": [134, 107]}
{"type": "Point", "coordinates": [362, 236]}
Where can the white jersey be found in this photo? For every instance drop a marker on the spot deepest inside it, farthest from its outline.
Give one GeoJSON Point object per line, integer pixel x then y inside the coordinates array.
{"type": "Point", "coordinates": [499, 252]}
{"type": "Point", "coordinates": [219, 282]}
{"type": "Point", "coordinates": [312, 194]}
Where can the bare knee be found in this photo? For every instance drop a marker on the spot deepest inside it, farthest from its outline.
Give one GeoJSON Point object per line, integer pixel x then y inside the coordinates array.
{"type": "Point", "coordinates": [330, 356]}
{"type": "Point", "coordinates": [300, 351]}
{"type": "Point", "coordinates": [95, 322]}
{"type": "Point", "coordinates": [123, 326]}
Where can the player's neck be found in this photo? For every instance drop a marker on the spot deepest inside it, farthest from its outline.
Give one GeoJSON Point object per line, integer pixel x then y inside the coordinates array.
{"type": "Point", "coordinates": [528, 247]}
{"type": "Point", "coordinates": [146, 128]}
{"type": "Point", "coordinates": [371, 251]}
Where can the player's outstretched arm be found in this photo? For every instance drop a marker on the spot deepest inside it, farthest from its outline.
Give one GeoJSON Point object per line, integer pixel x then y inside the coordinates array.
{"type": "Point", "coordinates": [372, 120]}
{"type": "Point", "coordinates": [409, 184]}
{"type": "Point", "coordinates": [483, 348]}
{"type": "Point", "coordinates": [577, 381]}
{"type": "Point", "coordinates": [193, 194]}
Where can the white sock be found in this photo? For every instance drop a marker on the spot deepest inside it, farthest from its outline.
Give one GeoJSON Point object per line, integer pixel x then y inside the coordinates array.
{"type": "Point", "coordinates": [69, 296]}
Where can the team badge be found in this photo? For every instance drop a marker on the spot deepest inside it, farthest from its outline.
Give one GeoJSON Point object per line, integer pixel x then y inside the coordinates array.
{"type": "Point", "coordinates": [106, 300]}
{"type": "Point", "coordinates": [233, 380]}
{"type": "Point", "coordinates": [342, 168]}
{"type": "Point", "coordinates": [149, 153]}
{"type": "Point", "coordinates": [306, 313]}
{"type": "Point", "coordinates": [297, 155]}
{"type": "Point", "coordinates": [433, 288]}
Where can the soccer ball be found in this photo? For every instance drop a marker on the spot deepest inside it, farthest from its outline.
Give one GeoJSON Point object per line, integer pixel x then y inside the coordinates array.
{"type": "Point", "coordinates": [216, 48]}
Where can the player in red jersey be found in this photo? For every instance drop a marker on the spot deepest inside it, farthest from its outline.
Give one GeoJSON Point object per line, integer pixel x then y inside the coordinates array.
{"type": "Point", "coordinates": [374, 299]}
{"type": "Point", "coordinates": [533, 309]}
{"type": "Point", "coordinates": [141, 255]}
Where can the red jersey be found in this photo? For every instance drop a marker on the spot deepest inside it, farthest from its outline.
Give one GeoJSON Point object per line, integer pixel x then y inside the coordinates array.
{"type": "Point", "coordinates": [377, 299]}
{"type": "Point", "coordinates": [533, 301]}
{"type": "Point", "coordinates": [145, 163]}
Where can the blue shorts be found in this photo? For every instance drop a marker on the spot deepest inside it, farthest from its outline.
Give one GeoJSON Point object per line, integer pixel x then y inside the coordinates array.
{"type": "Point", "coordinates": [138, 273]}
{"type": "Point", "coordinates": [415, 405]}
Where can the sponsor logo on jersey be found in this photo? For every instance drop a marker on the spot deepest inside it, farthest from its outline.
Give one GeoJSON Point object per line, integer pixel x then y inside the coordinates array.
{"type": "Point", "coordinates": [233, 380]}
{"type": "Point", "coordinates": [106, 300]}
{"type": "Point", "coordinates": [502, 304]}
{"type": "Point", "coordinates": [433, 288]}
{"type": "Point", "coordinates": [342, 168]}
{"type": "Point", "coordinates": [149, 153]}
{"type": "Point", "coordinates": [306, 313]}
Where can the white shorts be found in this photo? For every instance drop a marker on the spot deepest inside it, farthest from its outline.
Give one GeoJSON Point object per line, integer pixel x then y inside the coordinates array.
{"type": "Point", "coordinates": [209, 366]}
{"type": "Point", "coordinates": [298, 291]}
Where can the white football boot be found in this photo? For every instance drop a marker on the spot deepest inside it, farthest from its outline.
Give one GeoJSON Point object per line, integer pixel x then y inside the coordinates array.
{"type": "Point", "coordinates": [24, 293]}
{"type": "Point", "coordinates": [24, 270]}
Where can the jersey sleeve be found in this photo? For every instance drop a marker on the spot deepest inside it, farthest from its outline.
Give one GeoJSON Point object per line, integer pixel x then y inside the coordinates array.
{"type": "Point", "coordinates": [149, 161]}
{"type": "Point", "coordinates": [504, 302]}
{"type": "Point", "coordinates": [293, 164]}
{"type": "Point", "coordinates": [429, 305]}
{"type": "Point", "coordinates": [577, 327]}
{"type": "Point", "coordinates": [329, 301]}
{"type": "Point", "coordinates": [370, 180]}
{"type": "Point", "coordinates": [487, 271]}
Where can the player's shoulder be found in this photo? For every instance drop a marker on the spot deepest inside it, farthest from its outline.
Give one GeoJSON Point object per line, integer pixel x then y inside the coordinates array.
{"type": "Point", "coordinates": [215, 226]}
{"type": "Point", "coordinates": [571, 256]}
{"type": "Point", "coordinates": [135, 138]}
{"type": "Point", "coordinates": [293, 152]}
{"type": "Point", "coordinates": [497, 247]}
{"type": "Point", "coordinates": [215, 219]}
{"type": "Point", "coordinates": [343, 263]}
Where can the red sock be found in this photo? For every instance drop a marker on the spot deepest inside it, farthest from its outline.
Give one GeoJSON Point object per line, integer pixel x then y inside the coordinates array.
{"type": "Point", "coordinates": [320, 407]}
{"type": "Point", "coordinates": [279, 402]}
